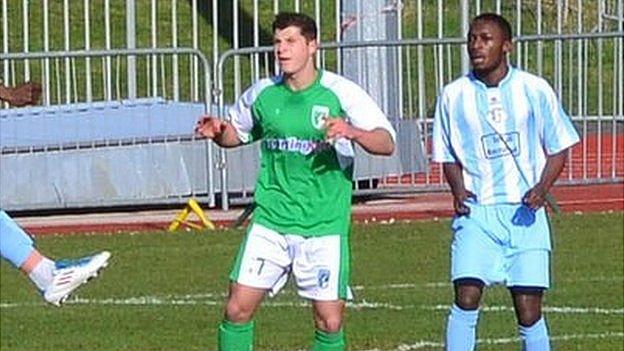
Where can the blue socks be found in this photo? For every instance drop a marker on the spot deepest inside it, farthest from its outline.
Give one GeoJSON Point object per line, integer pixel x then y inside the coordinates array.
{"type": "Point", "coordinates": [461, 329]}
{"type": "Point", "coordinates": [535, 337]}
{"type": "Point", "coordinates": [15, 244]}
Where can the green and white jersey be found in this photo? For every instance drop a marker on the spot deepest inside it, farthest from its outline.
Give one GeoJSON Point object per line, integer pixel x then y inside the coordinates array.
{"type": "Point", "coordinates": [304, 183]}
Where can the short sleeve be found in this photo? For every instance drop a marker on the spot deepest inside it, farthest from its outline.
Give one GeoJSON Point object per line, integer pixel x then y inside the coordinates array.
{"type": "Point", "coordinates": [558, 132]}
{"type": "Point", "coordinates": [242, 112]}
{"type": "Point", "coordinates": [442, 150]}
{"type": "Point", "coordinates": [363, 112]}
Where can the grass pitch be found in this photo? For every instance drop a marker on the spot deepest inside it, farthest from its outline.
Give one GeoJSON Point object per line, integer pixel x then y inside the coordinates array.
{"type": "Point", "coordinates": [165, 291]}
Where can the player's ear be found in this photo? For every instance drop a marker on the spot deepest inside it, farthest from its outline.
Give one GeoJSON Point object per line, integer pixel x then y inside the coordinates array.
{"type": "Point", "coordinates": [507, 46]}
{"type": "Point", "coordinates": [312, 46]}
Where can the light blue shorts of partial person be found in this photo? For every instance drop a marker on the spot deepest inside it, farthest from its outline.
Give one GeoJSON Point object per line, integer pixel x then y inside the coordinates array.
{"type": "Point", "coordinates": [508, 243]}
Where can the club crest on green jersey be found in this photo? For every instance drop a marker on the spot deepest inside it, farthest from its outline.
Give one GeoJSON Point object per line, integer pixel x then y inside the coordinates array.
{"type": "Point", "coordinates": [319, 115]}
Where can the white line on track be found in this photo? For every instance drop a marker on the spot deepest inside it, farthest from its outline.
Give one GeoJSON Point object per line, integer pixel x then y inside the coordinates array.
{"type": "Point", "coordinates": [448, 284]}
{"type": "Point", "coordinates": [212, 299]}
{"type": "Point", "coordinates": [502, 341]}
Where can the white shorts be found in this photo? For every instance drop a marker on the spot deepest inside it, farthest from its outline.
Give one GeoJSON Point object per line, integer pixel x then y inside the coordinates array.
{"type": "Point", "coordinates": [319, 265]}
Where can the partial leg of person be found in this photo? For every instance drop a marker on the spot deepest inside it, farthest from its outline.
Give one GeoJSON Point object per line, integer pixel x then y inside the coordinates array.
{"type": "Point", "coordinates": [322, 268]}
{"type": "Point", "coordinates": [18, 248]}
{"type": "Point", "coordinates": [530, 276]}
{"type": "Point", "coordinates": [328, 317]}
{"type": "Point", "coordinates": [56, 280]}
{"type": "Point", "coordinates": [462, 321]}
{"type": "Point", "coordinates": [531, 324]}
{"type": "Point", "coordinates": [476, 261]}
{"type": "Point", "coordinates": [236, 331]}
{"type": "Point", "coordinates": [261, 267]}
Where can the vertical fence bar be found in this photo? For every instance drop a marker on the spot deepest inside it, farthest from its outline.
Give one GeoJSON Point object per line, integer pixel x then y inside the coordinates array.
{"type": "Point", "coordinates": [558, 54]}
{"type": "Point", "coordinates": [87, 39]}
{"type": "Point", "coordinates": [439, 87]}
{"type": "Point", "coordinates": [600, 92]}
{"type": "Point", "coordinates": [174, 43]}
{"type": "Point", "coordinates": [46, 61]}
{"type": "Point", "coordinates": [579, 86]}
{"type": "Point", "coordinates": [5, 42]}
{"type": "Point", "coordinates": [399, 14]}
{"type": "Point", "coordinates": [215, 33]}
{"type": "Point", "coordinates": [618, 77]}
{"type": "Point", "coordinates": [465, 64]}
{"type": "Point", "coordinates": [26, 31]}
{"type": "Point", "coordinates": [256, 41]}
{"type": "Point", "coordinates": [317, 18]}
{"type": "Point", "coordinates": [338, 23]}
{"type": "Point", "coordinates": [540, 45]}
{"type": "Point", "coordinates": [66, 42]}
{"type": "Point", "coordinates": [519, 32]}
{"type": "Point", "coordinates": [131, 44]}
{"type": "Point", "coordinates": [107, 35]}
{"type": "Point", "coordinates": [421, 80]}
{"type": "Point", "coordinates": [236, 45]}
{"type": "Point", "coordinates": [154, 42]}
{"type": "Point", "coordinates": [195, 44]}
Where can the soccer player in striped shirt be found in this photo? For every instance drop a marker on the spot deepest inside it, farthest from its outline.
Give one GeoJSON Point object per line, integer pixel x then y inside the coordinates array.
{"type": "Point", "coordinates": [502, 137]}
{"type": "Point", "coordinates": [306, 120]}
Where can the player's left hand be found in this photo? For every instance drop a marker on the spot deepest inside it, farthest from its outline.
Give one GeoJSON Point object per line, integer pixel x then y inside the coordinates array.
{"type": "Point", "coordinates": [339, 128]}
{"type": "Point", "coordinates": [535, 198]}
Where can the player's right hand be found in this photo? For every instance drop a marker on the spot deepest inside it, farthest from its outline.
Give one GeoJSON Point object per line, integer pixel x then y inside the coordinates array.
{"type": "Point", "coordinates": [459, 202]}
{"type": "Point", "coordinates": [210, 127]}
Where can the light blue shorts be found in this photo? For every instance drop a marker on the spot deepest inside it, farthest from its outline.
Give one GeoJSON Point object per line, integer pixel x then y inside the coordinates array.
{"type": "Point", "coordinates": [507, 244]}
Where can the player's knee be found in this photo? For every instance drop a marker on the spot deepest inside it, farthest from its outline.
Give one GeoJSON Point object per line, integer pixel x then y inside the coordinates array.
{"type": "Point", "coordinates": [468, 299]}
{"type": "Point", "coordinates": [468, 293]}
{"type": "Point", "coordinates": [331, 324]}
{"type": "Point", "coordinates": [527, 318]}
{"type": "Point", "coordinates": [467, 303]}
{"type": "Point", "coordinates": [238, 313]}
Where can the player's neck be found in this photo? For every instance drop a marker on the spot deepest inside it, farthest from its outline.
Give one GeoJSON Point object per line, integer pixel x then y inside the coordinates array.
{"type": "Point", "coordinates": [494, 77]}
{"type": "Point", "coordinates": [301, 79]}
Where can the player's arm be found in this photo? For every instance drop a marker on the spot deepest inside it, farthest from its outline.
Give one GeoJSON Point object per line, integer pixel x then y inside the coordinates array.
{"type": "Point", "coordinates": [536, 196]}
{"type": "Point", "coordinates": [377, 141]}
{"type": "Point", "coordinates": [453, 172]}
{"type": "Point", "coordinates": [221, 132]}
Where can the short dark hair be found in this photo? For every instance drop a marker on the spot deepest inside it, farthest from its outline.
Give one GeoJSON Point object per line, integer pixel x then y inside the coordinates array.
{"type": "Point", "coordinates": [305, 23]}
{"type": "Point", "coordinates": [497, 19]}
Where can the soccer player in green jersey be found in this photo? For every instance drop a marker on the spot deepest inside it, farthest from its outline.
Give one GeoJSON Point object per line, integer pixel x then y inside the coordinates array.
{"type": "Point", "coordinates": [306, 120]}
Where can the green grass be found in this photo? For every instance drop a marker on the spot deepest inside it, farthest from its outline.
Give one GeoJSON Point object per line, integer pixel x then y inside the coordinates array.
{"type": "Point", "coordinates": [164, 292]}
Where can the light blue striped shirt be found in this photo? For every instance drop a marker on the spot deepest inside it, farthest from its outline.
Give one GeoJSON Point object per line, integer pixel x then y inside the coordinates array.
{"type": "Point", "coordinates": [485, 128]}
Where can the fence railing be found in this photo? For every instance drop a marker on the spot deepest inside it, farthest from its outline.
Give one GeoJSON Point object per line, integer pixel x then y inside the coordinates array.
{"type": "Point", "coordinates": [598, 116]}
{"type": "Point", "coordinates": [103, 151]}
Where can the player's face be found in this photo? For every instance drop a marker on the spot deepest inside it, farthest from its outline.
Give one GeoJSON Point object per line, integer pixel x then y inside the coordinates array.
{"type": "Point", "coordinates": [293, 51]}
{"type": "Point", "coordinates": [487, 47]}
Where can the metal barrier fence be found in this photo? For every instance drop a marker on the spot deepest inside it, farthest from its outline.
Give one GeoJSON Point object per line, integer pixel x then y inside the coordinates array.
{"type": "Point", "coordinates": [215, 26]}
{"type": "Point", "coordinates": [105, 153]}
{"type": "Point", "coordinates": [584, 66]}
{"type": "Point", "coordinates": [594, 103]}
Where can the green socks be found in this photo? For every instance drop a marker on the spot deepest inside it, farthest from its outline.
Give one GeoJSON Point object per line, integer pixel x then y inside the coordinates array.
{"type": "Point", "coordinates": [236, 336]}
{"type": "Point", "coordinates": [328, 341]}
{"type": "Point", "coordinates": [239, 337]}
